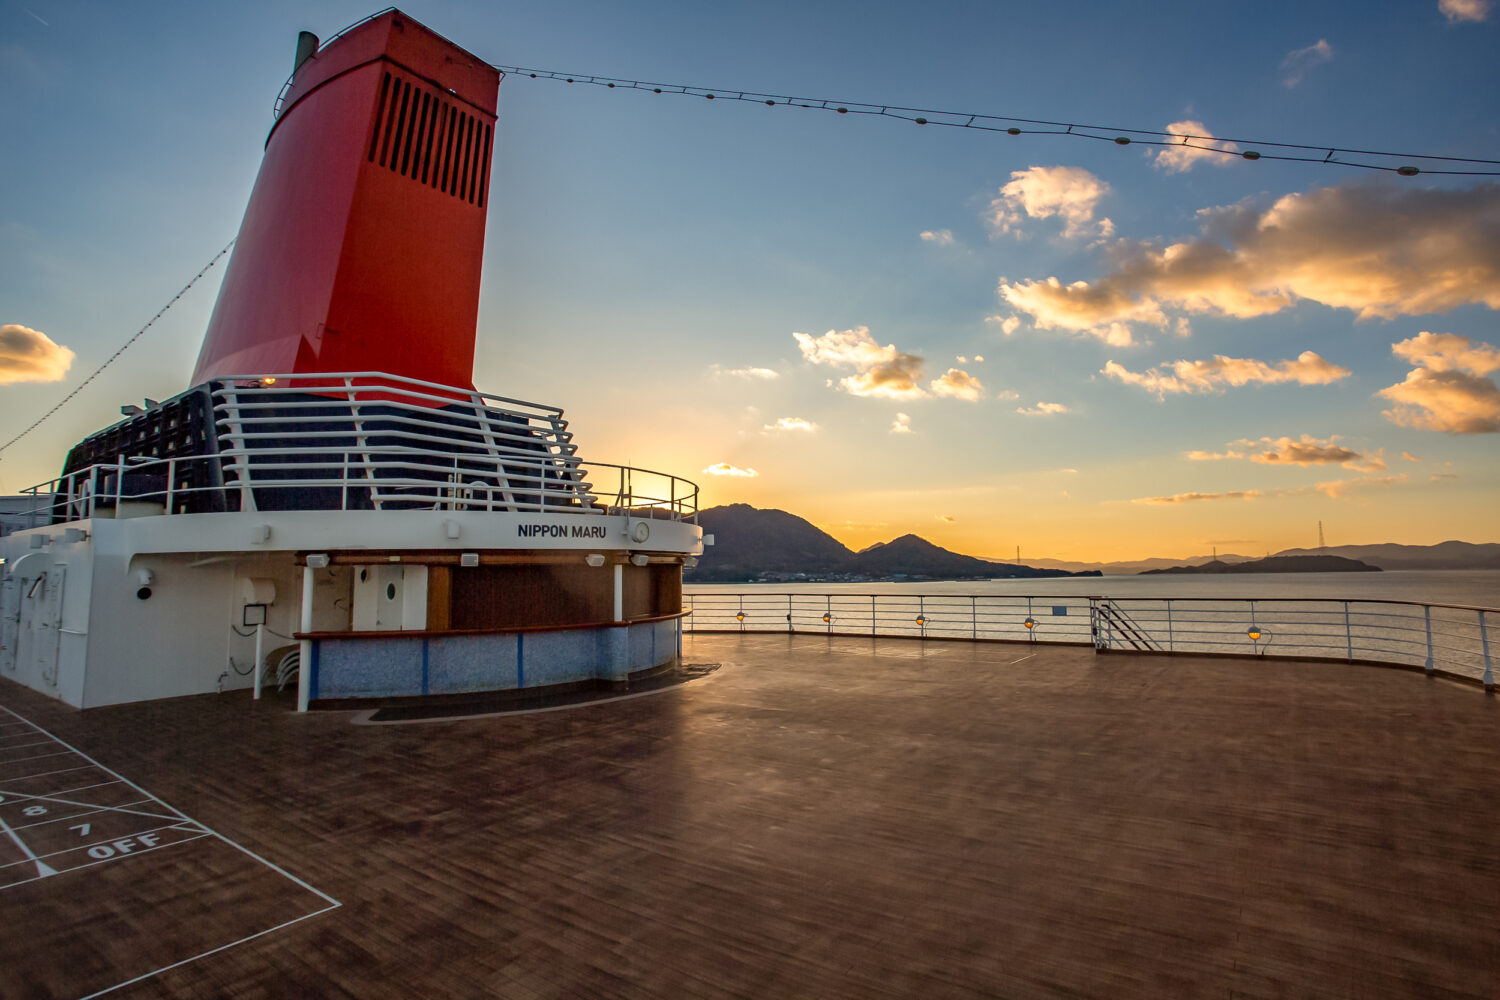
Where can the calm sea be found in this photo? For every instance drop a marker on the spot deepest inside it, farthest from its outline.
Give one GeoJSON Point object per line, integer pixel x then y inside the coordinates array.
{"type": "Point", "coordinates": [1473, 588]}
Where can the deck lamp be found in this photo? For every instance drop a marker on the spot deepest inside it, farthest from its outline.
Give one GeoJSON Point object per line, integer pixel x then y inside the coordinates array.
{"type": "Point", "coordinates": [594, 559]}
{"type": "Point", "coordinates": [1030, 623]}
{"type": "Point", "coordinates": [268, 380]}
{"type": "Point", "coordinates": [827, 617]}
{"type": "Point", "coordinates": [921, 619]}
{"type": "Point", "coordinates": [740, 617]}
{"type": "Point", "coordinates": [1254, 633]}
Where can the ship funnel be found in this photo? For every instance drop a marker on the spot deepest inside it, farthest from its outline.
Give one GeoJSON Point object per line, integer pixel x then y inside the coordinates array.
{"type": "Point", "coordinates": [307, 45]}
{"type": "Point", "coordinates": [360, 249]}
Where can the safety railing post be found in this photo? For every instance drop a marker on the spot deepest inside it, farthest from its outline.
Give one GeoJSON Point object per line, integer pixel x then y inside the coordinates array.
{"type": "Point", "coordinates": [1427, 614]}
{"type": "Point", "coordinates": [171, 482]}
{"type": "Point", "coordinates": [1348, 633]}
{"type": "Point", "coordinates": [828, 611]}
{"type": "Point", "coordinates": [874, 619]}
{"type": "Point", "coordinates": [1484, 643]}
{"type": "Point", "coordinates": [973, 617]}
{"type": "Point", "coordinates": [789, 627]}
{"type": "Point", "coordinates": [1171, 635]}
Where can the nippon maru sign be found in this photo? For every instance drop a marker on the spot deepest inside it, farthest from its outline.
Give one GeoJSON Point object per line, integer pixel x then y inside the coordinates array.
{"type": "Point", "coordinates": [561, 531]}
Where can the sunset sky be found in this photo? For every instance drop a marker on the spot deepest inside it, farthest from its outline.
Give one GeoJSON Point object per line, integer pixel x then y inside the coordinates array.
{"type": "Point", "coordinates": [1087, 350]}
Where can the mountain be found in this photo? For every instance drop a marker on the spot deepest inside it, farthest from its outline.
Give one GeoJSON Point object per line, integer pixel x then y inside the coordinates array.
{"type": "Point", "coordinates": [755, 544]}
{"type": "Point", "coordinates": [750, 542]}
{"type": "Point", "coordinates": [1131, 567]}
{"type": "Point", "coordinates": [1277, 564]}
{"type": "Point", "coordinates": [1444, 555]}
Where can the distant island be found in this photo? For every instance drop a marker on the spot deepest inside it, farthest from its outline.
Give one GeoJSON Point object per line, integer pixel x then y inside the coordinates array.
{"type": "Point", "coordinates": [1275, 564]}
{"type": "Point", "coordinates": [752, 545]}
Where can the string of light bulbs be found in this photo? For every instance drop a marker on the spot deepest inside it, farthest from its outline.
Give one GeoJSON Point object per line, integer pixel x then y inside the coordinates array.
{"type": "Point", "coordinates": [1367, 159]}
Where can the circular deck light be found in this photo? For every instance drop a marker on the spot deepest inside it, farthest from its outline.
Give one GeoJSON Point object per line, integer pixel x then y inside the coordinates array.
{"type": "Point", "coordinates": [740, 616]}
{"type": "Point", "coordinates": [827, 618]}
{"type": "Point", "coordinates": [268, 380]}
{"type": "Point", "coordinates": [921, 619]}
{"type": "Point", "coordinates": [1254, 633]}
{"type": "Point", "coordinates": [1030, 623]}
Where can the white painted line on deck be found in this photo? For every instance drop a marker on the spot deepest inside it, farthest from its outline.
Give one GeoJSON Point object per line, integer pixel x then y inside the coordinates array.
{"type": "Point", "coordinates": [181, 822]}
{"type": "Point", "coordinates": [222, 947]}
{"type": "Point", "coordinates": [1026, 657]}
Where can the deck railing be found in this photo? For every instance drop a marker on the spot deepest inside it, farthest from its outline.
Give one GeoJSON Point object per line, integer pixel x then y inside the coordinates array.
{"type": "Point", "coordinates": [1440, 638]}
{"type": "Point", "coordinates": [367, 441]}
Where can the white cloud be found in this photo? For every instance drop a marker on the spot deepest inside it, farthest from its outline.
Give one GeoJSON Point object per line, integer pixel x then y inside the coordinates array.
{"type": "Point", "coordinates": [901, 425]}
{"type": "Point", "coordinates": [1211, 376]}
{"type": "Point", "coordinates": [1447, 390]}
{"type": "Point", "coordinates": [942, 237]}
{"type": "Point", "coordinates": [725, 469]}
{"type": "Point", "coordinates": [979, 359]}
{"type": "Point", "coordinates": [28, 355]}
{"type": "Point", "coordinates": [1042, 410]}
{"type": "Point", "coordinates": [1070, 193]}
{"type": "Point", "coordinates": [747, 373]}
{"type": "Point", "coordinates": [791, 424]}
{"type": "Point", "coordinates": [1464, 10]}
{"type": "Point", "coordinates": [957, 384]}
{"type": "Point", "coordinates": [1300, 62]}
{"type": "Point", "coordinates": [1378, 250]}
{"type": "Point", "coordinates": [1189, 152]}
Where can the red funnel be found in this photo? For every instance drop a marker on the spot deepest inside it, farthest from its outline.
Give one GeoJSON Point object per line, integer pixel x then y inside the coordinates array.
{"type": "Point", "coordinates": [361, 245]}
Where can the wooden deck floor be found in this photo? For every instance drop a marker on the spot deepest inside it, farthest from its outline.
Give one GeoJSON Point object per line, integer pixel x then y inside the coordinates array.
{"type": "Point", "coordinates": [819, 818]}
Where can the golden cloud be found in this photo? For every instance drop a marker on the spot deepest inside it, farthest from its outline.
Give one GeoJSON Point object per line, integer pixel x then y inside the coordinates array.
{"type": "Point", "coordinates": [1339, 487]}
{"type": "Point", "coordinates": [883, 370]}
{"type": "Point", "coordinates": [1379, 251]}
{"type": "Point", "coordinates": [958, 384]}
{"type": "Point", "coordinates": [1309, 450]}
{"type": "Point", "coordinates": [1177, 498]}
{"type": "Point", "coordinates": [791, 424]}
{"type": "Point", "coordinates": [1070, 193]}
{"type": "Point", "coordinates": [1309, 368]}
{"type": "Point", "coordinates": [901, 425]}
{"type": "Point", "coordinates": [28, 355]}
{"type": "Point", "coordinates": [1447, 391]}
{"type": "Point", "coordinates": [1198, 144]}
{"type": "Point", "coordinates": [1464, 10]}
{"type": "Point", "coordinates": [725, 469]}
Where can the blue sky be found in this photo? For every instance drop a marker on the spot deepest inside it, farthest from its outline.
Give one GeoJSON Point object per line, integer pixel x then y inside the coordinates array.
{"type": "Point", "coordinates": [650, 258]}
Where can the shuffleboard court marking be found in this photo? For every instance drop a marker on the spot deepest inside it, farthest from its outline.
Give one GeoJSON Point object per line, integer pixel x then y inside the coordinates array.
{"type": "Point", "coordinates": [6, 796]}
{"type": "Point", "coordinates": [179, 821]}
{"type": "Point", "coordinates": [1026, 657]}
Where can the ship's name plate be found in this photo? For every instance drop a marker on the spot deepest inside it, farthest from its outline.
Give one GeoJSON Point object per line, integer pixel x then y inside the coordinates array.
{"type": "Point", "coordinates": [560, 531]}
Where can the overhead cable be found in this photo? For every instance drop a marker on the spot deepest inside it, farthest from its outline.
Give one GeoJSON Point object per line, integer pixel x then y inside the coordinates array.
{"type": "Point", "coordinates": [133, 338]}
{"type": "Point", "coordinates": [1368, 159]}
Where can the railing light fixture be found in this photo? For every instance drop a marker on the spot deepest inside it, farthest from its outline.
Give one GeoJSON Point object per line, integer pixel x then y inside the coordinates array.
{"type": "Point", "coordinates": [1030, 623]}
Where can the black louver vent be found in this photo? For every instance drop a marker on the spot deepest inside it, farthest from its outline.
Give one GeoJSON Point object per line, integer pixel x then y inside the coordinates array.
{"type": "Point", "coordinates": [419, 134]}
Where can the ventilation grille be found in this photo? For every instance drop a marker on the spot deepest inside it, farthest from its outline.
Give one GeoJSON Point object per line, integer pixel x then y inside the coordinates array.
{"type": "Point", "coordinates": [419, 134]}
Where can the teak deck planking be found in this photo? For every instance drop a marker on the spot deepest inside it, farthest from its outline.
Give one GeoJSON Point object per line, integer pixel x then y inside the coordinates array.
{"type": "Point", "coordinates": [819, 817]}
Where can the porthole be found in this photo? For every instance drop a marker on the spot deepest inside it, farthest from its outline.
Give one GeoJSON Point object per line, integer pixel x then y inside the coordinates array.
{"type": "Point", "coordinates": [144, 593]}
{"type": "Point", "coordinates": [390, 592]}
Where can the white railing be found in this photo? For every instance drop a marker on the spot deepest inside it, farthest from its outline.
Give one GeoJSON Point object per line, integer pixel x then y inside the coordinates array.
{"type": "Point", "coordinates": [367, 440]}
{"type": "Point", "coordinates": [1440, 638]}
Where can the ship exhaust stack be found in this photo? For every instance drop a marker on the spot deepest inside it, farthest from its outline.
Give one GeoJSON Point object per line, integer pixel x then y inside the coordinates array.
{"type": "Point", "coordinates": [307, 45]}
{"type": "Point", "coordinates": [361, 246]}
